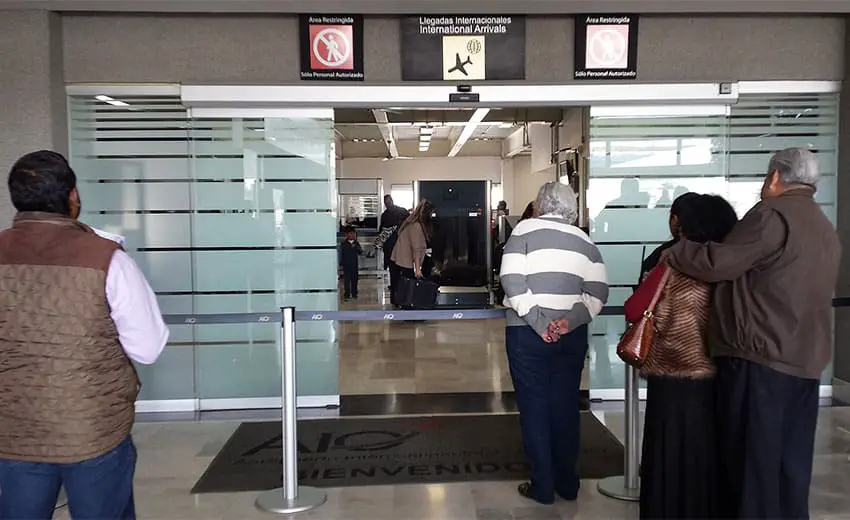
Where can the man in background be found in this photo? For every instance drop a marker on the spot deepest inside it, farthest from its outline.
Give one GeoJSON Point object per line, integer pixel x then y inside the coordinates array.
{"type": "Point", "coordinates": [770, 336]}
{"type": "Point", "coordinates": [74, 311]}
{"type": "Point", "coordinates": [392, 217]}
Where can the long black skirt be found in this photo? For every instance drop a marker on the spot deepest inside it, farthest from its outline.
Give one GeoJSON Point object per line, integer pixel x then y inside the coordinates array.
{"type": "Point", "coordinates": [679, 450]}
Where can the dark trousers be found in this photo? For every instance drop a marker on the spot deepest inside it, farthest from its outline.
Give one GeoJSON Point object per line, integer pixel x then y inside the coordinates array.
{"type": "Point", "coordinates": [350, 278]}
{"type": "Point", "coordinates": [396, 273]}
{"type": "Point", "coordinates": [546, 380]}
{"type": "Point", "coordinates": [394, 276]}
{"type": "Point", "coordinates": [766, 434]}
{"type": "Point", "coordinates": [99, 488]}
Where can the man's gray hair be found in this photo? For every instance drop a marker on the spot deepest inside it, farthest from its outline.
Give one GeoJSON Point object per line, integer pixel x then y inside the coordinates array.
{"type": "Point", "coordinates": [555, 198]}
{"type": "Point", "coordinates": [795, 166]}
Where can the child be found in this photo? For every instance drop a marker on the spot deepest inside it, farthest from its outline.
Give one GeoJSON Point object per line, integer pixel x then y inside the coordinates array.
{"type": "Point", "coordinates": [349, 260]}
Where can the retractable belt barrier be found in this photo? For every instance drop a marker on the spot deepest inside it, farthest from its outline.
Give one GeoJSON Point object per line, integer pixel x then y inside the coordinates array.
{"type": "Point", "coordinates": [292, 498]}
{"type": "Point", "coordinates": [364, 315]}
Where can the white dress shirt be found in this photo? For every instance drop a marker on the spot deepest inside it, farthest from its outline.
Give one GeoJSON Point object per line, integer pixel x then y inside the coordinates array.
{"type": "Point", "coordinates": [133, 307]}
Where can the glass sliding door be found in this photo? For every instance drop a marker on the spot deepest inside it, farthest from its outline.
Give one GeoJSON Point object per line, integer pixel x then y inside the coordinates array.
{"type": "Point", "coordinates": [263, 229]}
{"type": "Point", "coordinates": [130, 150]}
{"type": "Point", "coordinates": [641, 158]}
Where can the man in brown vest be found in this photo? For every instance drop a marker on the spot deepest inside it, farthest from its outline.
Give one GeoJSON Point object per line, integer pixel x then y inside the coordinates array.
{"type": "Point", "coordinates": [770, 336]}
{"type": "Point", "coordinates": [74, 311]}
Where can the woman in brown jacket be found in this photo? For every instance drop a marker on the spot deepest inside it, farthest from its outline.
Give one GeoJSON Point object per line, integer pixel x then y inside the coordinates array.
{"type": "Point", "coordinates": [677, 468]}
{"type": "Point", "coordinates": [412, 245]}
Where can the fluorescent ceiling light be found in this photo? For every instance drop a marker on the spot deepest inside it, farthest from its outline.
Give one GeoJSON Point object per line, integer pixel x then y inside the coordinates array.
{"type": "Point", "coordinates": [426, 130]}
{"type": "Point", "coordinates": [468, 130]}
{"type": "Point", "coordinates": [424, 138]}
{"type": "Point", "coordinates": [111, 101]}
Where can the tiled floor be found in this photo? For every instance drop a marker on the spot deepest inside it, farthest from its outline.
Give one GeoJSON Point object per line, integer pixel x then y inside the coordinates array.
{"type": "Point", "coordinates": [404, 357]}
{"type": "Point", "coordinates": [416, 358]}
{"type": "Point", "coordinates": [173, 455]}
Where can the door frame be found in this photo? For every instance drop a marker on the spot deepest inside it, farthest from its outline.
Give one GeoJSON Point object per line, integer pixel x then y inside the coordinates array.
{"type": "Point", "coordinates": [266, 101]}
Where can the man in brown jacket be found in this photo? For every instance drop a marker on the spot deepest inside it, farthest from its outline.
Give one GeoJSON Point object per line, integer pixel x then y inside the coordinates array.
{"type": "Point", "coordinates": [74, 311]}
{"type": "Point", "coordinates": [770, 336]}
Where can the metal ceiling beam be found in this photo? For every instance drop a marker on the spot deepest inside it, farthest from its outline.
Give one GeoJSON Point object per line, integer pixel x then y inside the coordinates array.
{"type": "Point", "coordinates": [386, 131]}
{"type": "Point", "coordinates": [418, 7]}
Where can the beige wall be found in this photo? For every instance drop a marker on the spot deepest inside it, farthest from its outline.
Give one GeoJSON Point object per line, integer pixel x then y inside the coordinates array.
{"type": "Point", "coordinates": [264, 49]}
{"type": "Point", "coordinates": [527, 183]}
{"type": "Point", "coordinates": [402, 171]}
{"type": "Point", "coordinates": [32, 97]}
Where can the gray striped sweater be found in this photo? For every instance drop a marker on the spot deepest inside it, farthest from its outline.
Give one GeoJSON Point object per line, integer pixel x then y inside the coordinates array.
{"type": "Point", "coordinates": [551, 270]}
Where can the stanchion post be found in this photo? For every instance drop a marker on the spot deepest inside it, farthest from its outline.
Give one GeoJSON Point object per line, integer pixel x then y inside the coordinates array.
{"type": "Point", "coordinates": [627, 486]}
{"type": "Point", "coordinates": [291, 498]}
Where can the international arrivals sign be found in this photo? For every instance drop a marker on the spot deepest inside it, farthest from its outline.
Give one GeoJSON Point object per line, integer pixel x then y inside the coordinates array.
{"type": "Point", "coordinates": [462, 48]}
{"type": "Point", "coordinates": [606, 47]}
{"type": "Point", "coordinates": [331, 47]}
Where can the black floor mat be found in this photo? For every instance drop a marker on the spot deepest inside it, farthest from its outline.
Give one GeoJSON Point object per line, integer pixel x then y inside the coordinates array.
{"type": "Point", "coordinates": [379, 451]}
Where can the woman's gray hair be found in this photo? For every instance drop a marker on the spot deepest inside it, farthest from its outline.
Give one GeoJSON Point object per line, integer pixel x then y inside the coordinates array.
{"type": "Point", "coordinates": [555, 198]}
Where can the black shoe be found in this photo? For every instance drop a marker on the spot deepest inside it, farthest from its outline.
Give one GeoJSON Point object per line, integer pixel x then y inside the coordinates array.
{"type": "Point", "coordinates": [524, 489]}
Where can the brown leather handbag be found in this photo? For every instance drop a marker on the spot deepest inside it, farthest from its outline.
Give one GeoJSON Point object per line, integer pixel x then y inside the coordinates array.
{"type": "Point", "coordinates": [637, 341]}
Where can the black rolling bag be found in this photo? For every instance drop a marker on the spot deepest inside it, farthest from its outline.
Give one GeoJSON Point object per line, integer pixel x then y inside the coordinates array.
{"type": "Point", "coordinates": [416, 293]}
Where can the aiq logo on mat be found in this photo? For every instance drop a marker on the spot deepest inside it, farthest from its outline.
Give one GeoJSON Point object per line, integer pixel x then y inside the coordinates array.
{"type": "Point", "coordinates": [368, 440]}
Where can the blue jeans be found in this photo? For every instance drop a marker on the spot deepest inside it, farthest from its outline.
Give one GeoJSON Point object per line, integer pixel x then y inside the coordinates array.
{"type": "Point", "coordinates": [98, 489]}
{"type": "Point", "coordinates": [546, 381]}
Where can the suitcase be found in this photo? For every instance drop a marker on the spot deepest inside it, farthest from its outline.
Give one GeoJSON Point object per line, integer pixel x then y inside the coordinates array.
{"type": "Point", "coordinates": [416, 293]}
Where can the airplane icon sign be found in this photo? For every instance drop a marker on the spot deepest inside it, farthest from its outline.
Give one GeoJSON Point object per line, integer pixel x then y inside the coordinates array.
{"type": "Point", "coordinates": [464, 58]}
{"type": "Point", "coordinates": [460, 66]}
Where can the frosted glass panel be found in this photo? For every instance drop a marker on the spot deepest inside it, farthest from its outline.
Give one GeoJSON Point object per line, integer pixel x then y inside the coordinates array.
{"type": "Point", "coordinates": [263, 230]}
{"type": "Point", "coordinates": [250, 271]}
{"type": "Point", "coordinates": [268, 168]}
{"type": "Point", "coordinates": [261, 195]}
{"type": "Point", "coordinates": [222, 216]}
{"type": "Point", "coordinates": [640, 161]}
{"type": "Point", "coordinates": [264, 236]}
{"type": "Point", "coordinates": [143, 230]}
{"type": "Point", "coordinates": [167, 271]}
{"type": "Point", "coordinates": [132, 164]}
{"type": "Point", "coordinates": [261, 302]}
{"type": "Point", "coordinates": [124, 196]}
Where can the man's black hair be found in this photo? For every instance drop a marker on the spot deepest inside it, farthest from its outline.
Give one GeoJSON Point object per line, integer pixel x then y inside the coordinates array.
{"type": "Point", "coordinates": [42, 181]}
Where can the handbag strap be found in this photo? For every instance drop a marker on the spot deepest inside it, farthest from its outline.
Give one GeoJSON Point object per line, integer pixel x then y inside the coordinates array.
{"type": "Point", "coordinates": [658, 291]}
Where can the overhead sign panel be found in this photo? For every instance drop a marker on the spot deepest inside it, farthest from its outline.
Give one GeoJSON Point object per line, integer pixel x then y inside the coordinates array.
{"type": "Point", "coordinates": [606, 47]}
{"type": "Point", "coordinates": [462, 48]}
{"type": "Point", "coordinates": [331, 47]}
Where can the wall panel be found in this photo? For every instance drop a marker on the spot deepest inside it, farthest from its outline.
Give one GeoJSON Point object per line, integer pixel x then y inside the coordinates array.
{"type": "Point", "coordinates": [264, 49]}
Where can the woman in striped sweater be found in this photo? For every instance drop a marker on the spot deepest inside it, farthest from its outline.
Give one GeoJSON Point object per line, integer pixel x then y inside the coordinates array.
{"type": "Point", "coordinates": [678, 463]}
{"type": "Point", "coordinates": [555, 284]}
